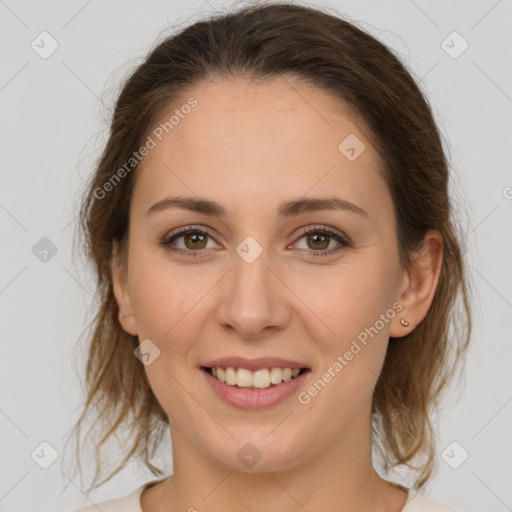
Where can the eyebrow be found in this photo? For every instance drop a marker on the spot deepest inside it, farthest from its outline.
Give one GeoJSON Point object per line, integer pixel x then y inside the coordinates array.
{"type": "Point", "coordinates": [286, 209]}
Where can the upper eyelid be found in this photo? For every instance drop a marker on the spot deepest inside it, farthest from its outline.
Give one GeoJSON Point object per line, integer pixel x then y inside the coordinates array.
{"type": "Point", "coordinates": [182, 231]}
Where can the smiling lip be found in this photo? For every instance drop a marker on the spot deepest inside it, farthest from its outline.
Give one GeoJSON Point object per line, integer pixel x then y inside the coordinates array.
{"type": "Point", "coordinates": [253, 398]}
{"type": "Point", "coordinates": [254, 364]}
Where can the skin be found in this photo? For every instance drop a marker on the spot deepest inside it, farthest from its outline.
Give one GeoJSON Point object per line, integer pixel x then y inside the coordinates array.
{"type": "Point", "coordinates": [251, 147]}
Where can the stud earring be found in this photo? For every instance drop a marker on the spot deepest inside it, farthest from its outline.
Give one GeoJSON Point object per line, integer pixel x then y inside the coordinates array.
{"type": "Point", "coordinates": [405, 323]}
{"type": "Point", "coordinates": [124, 316]}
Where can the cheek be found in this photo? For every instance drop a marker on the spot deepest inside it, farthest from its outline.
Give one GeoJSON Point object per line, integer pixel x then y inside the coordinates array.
{"type": "Point", "coordinates": [172, 307]}
{"type": "Point", "coordinates": [354, 355]}
{"type": "Point", "coordinates": [354, 298]}
{"type": "Point", "coordinates": [169, 312]}
{"type": "Point", "coordinates": [358, 311]}
{"type": "Point", "coordinates": [167, 305]}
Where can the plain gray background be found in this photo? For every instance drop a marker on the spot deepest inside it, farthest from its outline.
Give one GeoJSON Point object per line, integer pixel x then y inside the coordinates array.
{"type": "Point", "coordinates": [52, 126]}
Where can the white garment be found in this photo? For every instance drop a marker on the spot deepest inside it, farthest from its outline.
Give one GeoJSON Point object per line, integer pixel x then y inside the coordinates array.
{"type": "Point", "coordinates": [131, 503]}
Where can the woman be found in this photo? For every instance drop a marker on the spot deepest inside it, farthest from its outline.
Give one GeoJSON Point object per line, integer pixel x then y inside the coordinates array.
{"type": "Point", "coordinates": [277, 269]}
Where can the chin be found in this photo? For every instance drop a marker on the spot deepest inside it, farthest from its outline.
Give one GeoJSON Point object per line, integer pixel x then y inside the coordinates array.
{"type": "Point", "coordinates": [257, 449]}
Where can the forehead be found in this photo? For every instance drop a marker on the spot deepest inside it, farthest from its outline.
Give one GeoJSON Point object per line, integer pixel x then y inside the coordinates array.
{"type": "Point", "coordinates": [278, 138]}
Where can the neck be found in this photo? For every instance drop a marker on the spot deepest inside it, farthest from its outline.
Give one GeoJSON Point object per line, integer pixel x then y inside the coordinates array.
{"type": "Point", "coordinates": [342, 473]}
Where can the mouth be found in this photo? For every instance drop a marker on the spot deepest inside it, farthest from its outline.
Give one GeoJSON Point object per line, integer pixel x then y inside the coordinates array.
{"type": "Point", "coordinates": [263, 378]}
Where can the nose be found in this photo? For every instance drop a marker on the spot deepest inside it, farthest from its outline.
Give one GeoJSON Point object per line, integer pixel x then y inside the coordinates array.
{"type": "Point", "coordinates": [254, 299]}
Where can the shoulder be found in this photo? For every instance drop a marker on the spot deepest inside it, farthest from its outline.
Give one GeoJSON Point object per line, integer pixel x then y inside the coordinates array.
{"type": "Point", "coordinates": [417, 502]}
{"type": "Point", "coordinates": [128, 503]}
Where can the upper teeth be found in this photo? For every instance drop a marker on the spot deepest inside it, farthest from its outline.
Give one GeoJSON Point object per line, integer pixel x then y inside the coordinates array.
{"type": "Point", "coordinates": [259, 379]}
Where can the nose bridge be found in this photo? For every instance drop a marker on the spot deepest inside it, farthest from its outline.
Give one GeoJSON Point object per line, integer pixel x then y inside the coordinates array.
{"type": "Point", "coordinates": [251, 276]}
{"type": "Point", "coordinates": [251, 272]}
{"type": "Point", "coordinates": [254, 298]}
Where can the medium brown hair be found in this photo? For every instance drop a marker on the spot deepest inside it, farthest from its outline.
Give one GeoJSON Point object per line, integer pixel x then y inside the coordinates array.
{"type": "Point", "coordinates": [261, 42]}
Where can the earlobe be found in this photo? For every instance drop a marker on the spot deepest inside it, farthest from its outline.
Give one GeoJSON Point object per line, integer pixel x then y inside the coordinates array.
{"type": "Point", "coordinates": [121, 292]}
{"type": "Point", "coordinates": [419, 285]}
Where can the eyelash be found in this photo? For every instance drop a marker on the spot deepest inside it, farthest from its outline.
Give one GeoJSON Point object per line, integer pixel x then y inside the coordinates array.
{"type": "Point", "coordinates": [317, 230]}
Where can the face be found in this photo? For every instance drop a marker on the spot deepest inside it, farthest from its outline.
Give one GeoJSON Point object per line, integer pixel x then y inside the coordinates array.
{"type": "Point", "coordinates": [274, 275]}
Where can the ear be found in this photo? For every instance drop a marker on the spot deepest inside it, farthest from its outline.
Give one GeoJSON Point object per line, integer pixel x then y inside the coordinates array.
{"type": "Point", "coordinates": [419, 283]}
{"type": "Point", "coordinates": [121, 291]}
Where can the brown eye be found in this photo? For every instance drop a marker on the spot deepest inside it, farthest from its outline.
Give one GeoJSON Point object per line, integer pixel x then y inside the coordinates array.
{"type": "Point", "coordinates": [188, 241]}
{"type": "Point", "coordinates": [318, 241]}
{"type": "Point", "coordinates": [195, 240]}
